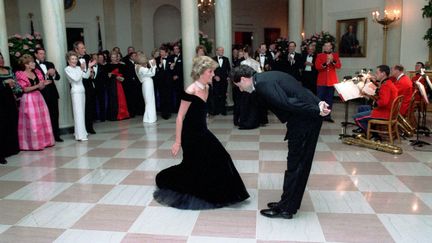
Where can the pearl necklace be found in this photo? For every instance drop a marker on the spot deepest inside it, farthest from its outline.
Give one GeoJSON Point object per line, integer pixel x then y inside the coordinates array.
{"type": "Point", "coordinates": [200, 85]}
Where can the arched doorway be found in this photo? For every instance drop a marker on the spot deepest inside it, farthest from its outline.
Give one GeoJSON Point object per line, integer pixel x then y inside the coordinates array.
{"type": "Point", "coordinates": [166, 24]}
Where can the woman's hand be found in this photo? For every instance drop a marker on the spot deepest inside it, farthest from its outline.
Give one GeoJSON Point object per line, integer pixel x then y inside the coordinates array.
{"type": "Point", "coordinates": [175, 149]}
{"type": "Point", "coordinates": [41, 85]}
{"type": "Point", "coordinates": [121, 79]}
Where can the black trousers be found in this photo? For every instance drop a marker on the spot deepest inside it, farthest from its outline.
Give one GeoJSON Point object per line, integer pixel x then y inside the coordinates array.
{"type": "Point", "coordinates": [131, 93]}
{"type": "Point", "coordinates": [302, 140]}
{"type": "Point", "coordinates": [217, 97]}
{"type": "Point", "coordinates": [90, 104]}
{"type": "Point", "coordinates": [165, 89]}
{"type": "Point", "coordinates": [52, 104]}
{"type": "Point", "coordinates": [309, 81]}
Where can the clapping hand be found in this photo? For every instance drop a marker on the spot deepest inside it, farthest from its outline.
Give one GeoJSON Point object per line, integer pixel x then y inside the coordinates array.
{"type": "Point", "coordinates": [324, 108]}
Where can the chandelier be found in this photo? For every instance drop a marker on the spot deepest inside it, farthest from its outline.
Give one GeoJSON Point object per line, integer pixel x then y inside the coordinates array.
{"type": "Point", "coordinates": [205, 9]}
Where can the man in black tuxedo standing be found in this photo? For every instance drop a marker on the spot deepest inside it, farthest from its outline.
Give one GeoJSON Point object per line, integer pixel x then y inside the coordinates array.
{"type": "Point", "coordinates": [302, 112]}
{"type": "Point", "coordinates": [218, 92]}
{"type": "Point", "coordinates": [264, 58]}
{"type": "Point", "coordinates": [90, 92]}
{"type": "Point", "coordinates": [163, 81]}
{"type": "Point", "coordinates": [50, 92]}
{"type": "Point", "coordinates": [293, 61]}
{"type": "Point", "coordinates": [177, 69]}
{"type": "Point", "coordinates": [100, 79]}
{"type": "Point", "coordinates": [309, 72]}
{"type": "Point", "coordinates": [131, 85]}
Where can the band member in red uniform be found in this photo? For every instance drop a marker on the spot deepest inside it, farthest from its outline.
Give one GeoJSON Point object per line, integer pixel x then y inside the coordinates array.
{"type": "Point", "coordinates": [422, 80]}
{"type": "Point", "coordinates": [404, 86]}
{"type": "Point", "coordinates": [386, 95]}
{"type": "Point", "coordinates": [326, 64]}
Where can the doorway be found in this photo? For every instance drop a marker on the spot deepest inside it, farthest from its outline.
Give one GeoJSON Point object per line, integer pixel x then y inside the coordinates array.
{"type": "Point", "coordinates": [243, 38]}
{"type": "Point", "coordinates": [72, 35]}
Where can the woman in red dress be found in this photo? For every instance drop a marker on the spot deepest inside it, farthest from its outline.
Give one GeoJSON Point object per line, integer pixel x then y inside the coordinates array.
{"type": "Point", "coordinates": [119, 110]}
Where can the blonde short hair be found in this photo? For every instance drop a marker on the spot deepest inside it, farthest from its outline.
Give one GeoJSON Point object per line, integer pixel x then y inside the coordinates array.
{"type": "Point", "coordinates": [24, 60]}
{"type": "Point", "coordinates": [141, 59]}
{"type": "Point", "coordinates": [200, 64]}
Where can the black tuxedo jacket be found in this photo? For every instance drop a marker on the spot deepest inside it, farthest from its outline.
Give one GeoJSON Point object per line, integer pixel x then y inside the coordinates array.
{"type": "Point", "coordinates": [268, 60]}
{"type": "Point", "coordinates": [178, 68]}
{"type": "Point", "coordinates": [223, 72]}
{"type": "Point", "coordinates": [101, 77]}
{"type": "Point", "coordinates": [129, 73]}
{"type": "Point", "coordinates": [50, 91]}
{"type": "Point", "coordinates": [286, 97]}
{"type": "Point", "coordinates": [295, 68]}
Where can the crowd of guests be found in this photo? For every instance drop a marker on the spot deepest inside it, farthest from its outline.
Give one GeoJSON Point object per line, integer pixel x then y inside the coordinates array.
{"type": "Point", "coordinates": [315, 71]}
{"type": "Point", "coordinates": [104, 86]}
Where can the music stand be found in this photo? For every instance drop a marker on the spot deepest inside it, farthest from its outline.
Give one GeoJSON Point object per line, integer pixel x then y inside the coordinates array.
{"type": "Point", "coordinates": [422, 91]}
{"type": "Point", "coordinates": [345, 123]}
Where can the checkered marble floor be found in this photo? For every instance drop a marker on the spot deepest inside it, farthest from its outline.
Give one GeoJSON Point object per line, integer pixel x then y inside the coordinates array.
{"type": "Point", "coordinates": [101, 190]}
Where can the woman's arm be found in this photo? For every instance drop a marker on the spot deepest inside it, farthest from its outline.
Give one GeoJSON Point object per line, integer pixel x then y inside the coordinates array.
{"type": "Point", "coordinates": [184, 106]}
{"type": "Point", "coordinates": [72, 75]}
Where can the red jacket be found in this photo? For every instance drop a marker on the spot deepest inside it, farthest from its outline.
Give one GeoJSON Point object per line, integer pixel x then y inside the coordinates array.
{"type": "Point", "coordinates": [405, 87]}
{"type": "Point", "coordinates": [386, 95]}
{"type": "Point", "coordinates": [327, 73]}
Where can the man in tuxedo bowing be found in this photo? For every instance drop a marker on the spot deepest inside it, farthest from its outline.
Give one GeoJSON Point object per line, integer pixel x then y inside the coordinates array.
{"type": "Point", "coordinates": [218, 93]}
{"type": "Point", "coordinates": [90, 92]}
{"type": "Point", "coordinates": [50, 92]}
{"type": "Point", "coordinates": [164, 82]}
{"type": "Point", "coordinates": [302, 112]}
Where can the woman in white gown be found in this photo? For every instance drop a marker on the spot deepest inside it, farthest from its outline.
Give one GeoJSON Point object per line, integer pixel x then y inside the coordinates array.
{"type": "Point", "coordinates": [145, 70]}
{"type": "Point", "coordinates": [75, 74]}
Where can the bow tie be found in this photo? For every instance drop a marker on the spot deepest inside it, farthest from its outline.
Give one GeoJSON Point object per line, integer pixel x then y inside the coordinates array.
{"type": "Point", "coordinates": [262, 55]}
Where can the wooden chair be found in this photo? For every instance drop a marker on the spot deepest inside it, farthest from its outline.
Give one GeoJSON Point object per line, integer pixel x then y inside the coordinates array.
{"type": "Point", "coordinates": [410, 115]}
{"type": "Point", "coordinates": [391, 123]}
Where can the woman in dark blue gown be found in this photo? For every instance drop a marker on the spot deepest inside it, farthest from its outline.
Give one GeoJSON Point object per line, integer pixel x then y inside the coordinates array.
{"type": "Point", "coordinates": [206, 178]}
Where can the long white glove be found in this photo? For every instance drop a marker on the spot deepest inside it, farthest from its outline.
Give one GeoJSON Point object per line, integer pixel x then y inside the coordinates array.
{"type": "Point", "coordinates": [324, 108]}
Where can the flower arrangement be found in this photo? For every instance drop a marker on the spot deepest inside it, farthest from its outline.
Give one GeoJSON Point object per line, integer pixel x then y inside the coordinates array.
{"type": "Point", "coordinates": [203, 40]}
{"type": "Point", "coordinates": [319, 39]}
{"type": "Point", "coordinates": [20, 45]}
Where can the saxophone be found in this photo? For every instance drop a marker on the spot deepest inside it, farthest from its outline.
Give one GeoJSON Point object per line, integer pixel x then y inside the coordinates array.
{"type": "Point", "coordinates": [406, 129]}
{"type": "Point", "coordinates": [363, 142]}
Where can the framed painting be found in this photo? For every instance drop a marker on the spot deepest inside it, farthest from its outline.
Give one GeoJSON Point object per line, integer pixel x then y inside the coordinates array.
{"type": "Point", "coordinates": [351, 37]}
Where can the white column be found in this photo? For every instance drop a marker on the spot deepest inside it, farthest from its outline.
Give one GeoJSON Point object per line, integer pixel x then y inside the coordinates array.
{"type": "Point", "coordinates": [53, 21]}
{"type": "Point", "coordinates": [224, 34]}
{"type": "Point", "coordinates": [4, 48]}
{"type": "Point", "coordinates": [295, 21]}
{"type": "Point", "coordinates": [190, 36]}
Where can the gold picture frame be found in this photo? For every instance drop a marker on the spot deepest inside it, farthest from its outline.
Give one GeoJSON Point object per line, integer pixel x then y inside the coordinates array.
{"type": "Point", "coordinates": [351, 37]}
{"type": "Point", "coordinates": [69, 5]}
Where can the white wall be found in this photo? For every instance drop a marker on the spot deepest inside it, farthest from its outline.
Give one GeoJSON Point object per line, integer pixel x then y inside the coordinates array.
{"type": "Point", "coordinates": [166, 24]}
{"type": "Point", "coordinates": [414, 27]}
{"type": "Point", "coordinates": [123, 25]}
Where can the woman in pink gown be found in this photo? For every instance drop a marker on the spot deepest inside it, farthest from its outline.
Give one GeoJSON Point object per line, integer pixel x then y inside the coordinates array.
{"type": "Point", "coordinates": [34, 124]}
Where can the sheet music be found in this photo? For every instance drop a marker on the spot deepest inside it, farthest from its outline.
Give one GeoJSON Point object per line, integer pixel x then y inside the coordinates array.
{"type": "Point", "coordinates": [422, 90]}
{"type": "Point", "coordinates": [347, 90]}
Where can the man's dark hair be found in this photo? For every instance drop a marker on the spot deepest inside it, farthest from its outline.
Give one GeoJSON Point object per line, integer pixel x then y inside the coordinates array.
{"type": "Point", "coordinates": [76, 43]}
{"type": "Point", "coordinates": [38, 49]}
{"type": "Point", "coordinates": [292, 42]}
{"type": "Point", "coordinates": [241, 71]}
{"type": "Point", "coordinates": [399, 67]}
{"type": "Point", "coordinates": [421, 63]}
{"type": "Point", "coordinates": [384, 68]}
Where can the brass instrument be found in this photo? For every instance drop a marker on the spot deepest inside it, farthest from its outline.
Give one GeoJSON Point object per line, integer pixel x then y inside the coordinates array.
{"type": "Point", "coordinates": [363, 142]}
{"type": "Point", "coordinates": [405, 127]}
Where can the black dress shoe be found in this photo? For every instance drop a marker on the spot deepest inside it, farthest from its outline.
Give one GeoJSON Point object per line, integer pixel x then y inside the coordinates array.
{"type": "Point", "coordinates": [276, 213]}
{"type": "Point", "coordinates": [357, 130]}
{"type": "Point", "coordinates": [3, 161]}
{"type": "Point", "coordinates": [272, 204]}
{"type": "Point", "coordinates": [92, 131]}
{"type": "Point", "coordinates": [58, 140]}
